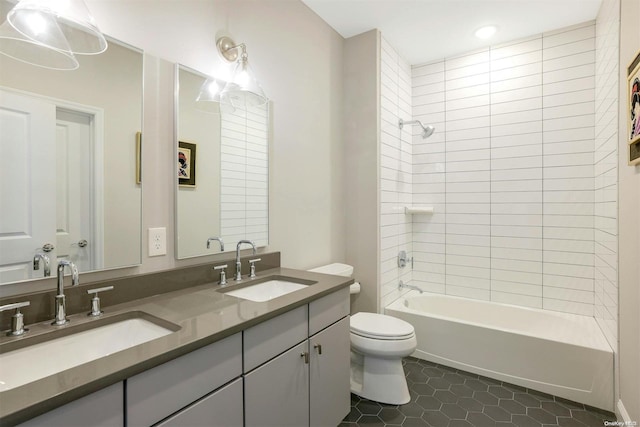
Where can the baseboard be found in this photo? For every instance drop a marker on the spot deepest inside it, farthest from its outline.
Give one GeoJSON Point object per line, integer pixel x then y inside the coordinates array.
{"type": "Point", "coordinates": [622, 414]}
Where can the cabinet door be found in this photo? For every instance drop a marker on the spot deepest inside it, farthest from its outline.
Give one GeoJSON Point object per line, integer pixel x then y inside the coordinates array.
{"type": "Point", "coordinates": [101, 409]}
{"type": "Point", "coordinates": [329, 375]}
{"type": "Point", "coordinates": [221, 408]}
{"type": "Point", "coordinates": [277, 393]}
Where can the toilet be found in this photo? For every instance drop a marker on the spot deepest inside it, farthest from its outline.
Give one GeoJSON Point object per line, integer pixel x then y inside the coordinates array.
{"type": "Point", "coordinates": [378, 344]}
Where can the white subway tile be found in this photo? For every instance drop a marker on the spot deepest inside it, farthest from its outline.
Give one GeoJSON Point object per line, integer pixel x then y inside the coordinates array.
{"type": "Point", "coordinates": [568, 86]}
{"type": "Point", "coordinates": [567, 307]}
{"type": "Point", "coordinates": [466, 60]}
{"type": "Point", "coordinates": [515, 299]}
{"type": "Point", "coordinates": [481, 294]}
{"type": "Point", "coordinates": [533, 80]}
{"type": "Point", "coordinates": [515, 72]}
{"type": "Point", "coordinates": [514, 198]}
{"type": "Point", "coordinates": [568, 49]}
{"type": "Point", "coordinates": [516, 174]}
{"type": "Point", "coordinates": [516, 106]}
{"type": "Point", "coordinates": [516, 94]}
{"type": "Point", "coordinates": [517, 254]}
{"type": "Point", "coordinates": [511, 62]}
{"type": "Point", "coordinates": [469, 261]}
{"type": "Point", "coordinates": [516, 265]}
{"type": "Point", "coordinates": [511, 49]}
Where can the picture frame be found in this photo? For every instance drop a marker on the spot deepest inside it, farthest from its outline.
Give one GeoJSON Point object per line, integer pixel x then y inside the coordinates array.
{"type": "Point", "coordinates": [186, 164]}
{"type": "Point", "coordinates": [138, 157]}
{"type": "Point", "coordinates": [633, 109]}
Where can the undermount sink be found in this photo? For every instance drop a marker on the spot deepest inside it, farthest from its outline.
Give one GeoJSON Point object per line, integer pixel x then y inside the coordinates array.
{"type": "Point", "coordinates": [270, 289]}
{"type": "Point", "coordinates": [59, 350]}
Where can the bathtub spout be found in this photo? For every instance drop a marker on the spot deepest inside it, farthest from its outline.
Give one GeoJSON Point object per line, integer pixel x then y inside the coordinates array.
{"type": "Point", "coordinates": [402, 285]}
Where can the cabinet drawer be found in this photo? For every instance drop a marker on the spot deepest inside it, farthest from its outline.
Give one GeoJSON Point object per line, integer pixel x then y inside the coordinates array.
{"type": "Point", "coordinates": [161, 391]}
{"type": "Point", "coordinates": [104, 408]}
{"type": "Point", "coordinates": [268, 339]}
{"type": "Point", "coordinates": [328, 309]}
{"type": "Point", "coordinates": [221, 408]}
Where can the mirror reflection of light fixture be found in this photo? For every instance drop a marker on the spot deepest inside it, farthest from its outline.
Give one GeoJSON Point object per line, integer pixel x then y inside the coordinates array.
{"type": "Point", "coordinates": [37, 19]}
{"type": "Point", "coordinates": [208, 99]}
{"type": "Point", "coordinates": [242, 90]}
{"type": "Point", "coordinates": [17, 46]}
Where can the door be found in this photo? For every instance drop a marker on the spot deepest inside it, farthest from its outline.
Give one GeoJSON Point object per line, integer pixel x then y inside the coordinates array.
{"type": "Point", "coordinates": [27, 183]}
{"type": "Point", "coordinates": [74, 198]}
{"type": "Point", "coordinates": [329, 379]}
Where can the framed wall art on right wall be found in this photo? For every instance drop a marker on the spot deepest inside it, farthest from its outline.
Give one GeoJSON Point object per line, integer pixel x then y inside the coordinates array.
{"type": "Point", "coordinates": [633, 109]}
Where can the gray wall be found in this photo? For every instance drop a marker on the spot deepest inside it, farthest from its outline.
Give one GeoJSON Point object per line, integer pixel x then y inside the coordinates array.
{"type": "Point", "coordinates": [629, 225]}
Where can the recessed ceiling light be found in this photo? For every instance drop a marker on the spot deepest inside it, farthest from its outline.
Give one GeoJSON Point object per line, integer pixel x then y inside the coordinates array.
{"type": "Point", "coordinates": [486, 31]}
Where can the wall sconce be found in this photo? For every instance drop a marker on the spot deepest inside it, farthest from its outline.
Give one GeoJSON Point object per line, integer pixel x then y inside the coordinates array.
{"type": "Point", "coordinates": [16, 46]}
{"type": "Point", "coordinates": [242, 90]}
{"type": "Point", "coordinates": [52, 31]}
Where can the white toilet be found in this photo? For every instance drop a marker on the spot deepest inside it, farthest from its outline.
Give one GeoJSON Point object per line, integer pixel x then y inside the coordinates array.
{"type": "Point", "coordinates": [378, 344]}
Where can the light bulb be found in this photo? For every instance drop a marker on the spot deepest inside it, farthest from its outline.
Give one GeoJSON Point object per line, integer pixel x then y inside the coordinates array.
{"type": "Point", "coordinates": [37, 24]}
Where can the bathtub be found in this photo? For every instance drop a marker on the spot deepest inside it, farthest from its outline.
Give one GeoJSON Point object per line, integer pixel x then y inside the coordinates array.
{"type": "Point", "coordinates": [561, 354]}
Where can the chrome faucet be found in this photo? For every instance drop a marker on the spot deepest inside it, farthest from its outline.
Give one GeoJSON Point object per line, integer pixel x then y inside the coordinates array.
{"type": "Point", "coordinates": [218, 239]}
{"type": "Point", "coordinates": [39, 256]}
{"type": "Point", "coordinates": [61, 311]}
{"type": "Point", "coordinates": [402, 285]}
{"type": "Point", "coordinates": [238, 264]}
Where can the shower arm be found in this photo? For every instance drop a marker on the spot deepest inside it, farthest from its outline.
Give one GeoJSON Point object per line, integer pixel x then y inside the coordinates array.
{"type": "Point", "coordinates": [401, 123]}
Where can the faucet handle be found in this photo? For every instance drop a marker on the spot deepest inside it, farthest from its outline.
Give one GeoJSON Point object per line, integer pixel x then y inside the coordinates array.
{"type": "Point", "coordinates": [252, 267]}
{"type": "Point", "coordinates": [95, 301]}
{"type": "Point", "coordinates": [17, 320]}
{"type": "Point", "coordinates": [223, 274]}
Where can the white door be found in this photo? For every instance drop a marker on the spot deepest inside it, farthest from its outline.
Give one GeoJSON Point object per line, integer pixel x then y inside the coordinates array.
{"type": "Point", "coordinates": [74, 198]}
{"type": "Point", "coordinates": [27, 183]}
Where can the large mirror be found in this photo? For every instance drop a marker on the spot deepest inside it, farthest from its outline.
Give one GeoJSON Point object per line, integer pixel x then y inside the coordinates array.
{"type": "Point", "coordinates": [222, 185]}
{"type": "Point", "coordinates": [69, 154]}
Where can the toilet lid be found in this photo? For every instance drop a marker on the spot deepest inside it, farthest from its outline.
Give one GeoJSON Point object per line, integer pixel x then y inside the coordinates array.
{"type": "Point", "coordinates": [381, 326]}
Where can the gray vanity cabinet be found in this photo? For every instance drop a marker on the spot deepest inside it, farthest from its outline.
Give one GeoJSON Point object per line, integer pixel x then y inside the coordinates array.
{"type": "Point", "coordinates": [329, 375]}
{"type": "Point", "coordinates": [308, 384]}
{"type": "Point", "coordinates": [160, 392]}
{"type": "Point", "coordinates": [104, 408]}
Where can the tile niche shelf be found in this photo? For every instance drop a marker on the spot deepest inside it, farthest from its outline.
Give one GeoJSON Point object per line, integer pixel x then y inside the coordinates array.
{"type": "Point", "coordinates": [418, 210]}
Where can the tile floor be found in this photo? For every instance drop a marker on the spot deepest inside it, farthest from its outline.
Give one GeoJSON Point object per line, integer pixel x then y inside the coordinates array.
{"type": "Point", "coordinates": [447, 397]}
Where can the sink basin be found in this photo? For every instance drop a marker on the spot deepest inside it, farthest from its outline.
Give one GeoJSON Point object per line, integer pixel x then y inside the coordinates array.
{"type": "Point", "coordinates": [268, 290]}
{"type": "Point", "coordinates": [67, 350]}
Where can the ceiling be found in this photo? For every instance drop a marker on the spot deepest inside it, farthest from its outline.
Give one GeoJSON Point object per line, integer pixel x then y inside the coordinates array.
{"type": "Point", "coordinates": [427, 30]}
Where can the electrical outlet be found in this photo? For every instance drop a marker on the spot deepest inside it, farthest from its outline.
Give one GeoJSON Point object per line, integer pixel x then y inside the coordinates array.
{"type": "Point", "coordinates": [157, 241]}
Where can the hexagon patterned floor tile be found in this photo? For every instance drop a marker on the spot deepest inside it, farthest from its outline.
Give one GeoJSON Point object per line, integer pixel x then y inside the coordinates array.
{"type": "Point", "coordinates": [447, 397]}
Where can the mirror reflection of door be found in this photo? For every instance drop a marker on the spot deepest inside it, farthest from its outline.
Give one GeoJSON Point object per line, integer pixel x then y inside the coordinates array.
{"type": "Point", "coordinates": [49, 168]}
{"type": "Point", "coordinates": [27, 187]}
{"type": "Point", "coordinates": [75, 190]}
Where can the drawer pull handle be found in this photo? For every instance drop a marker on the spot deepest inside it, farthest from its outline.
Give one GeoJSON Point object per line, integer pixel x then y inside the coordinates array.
{"type": "Point", "coordinates": [305, 356]}
{"type": "Point", "coordinates": [318, 347]}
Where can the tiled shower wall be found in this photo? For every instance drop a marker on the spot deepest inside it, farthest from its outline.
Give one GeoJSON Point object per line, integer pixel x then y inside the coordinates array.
{"type": "Point", "coordinates": [395, 171]}
{"type": "Point", "coordinates": [244, 173]}
{"type": "Point", "coordinates": [510, 172]}
{"type": "Point", "coordinates": [606, 175]}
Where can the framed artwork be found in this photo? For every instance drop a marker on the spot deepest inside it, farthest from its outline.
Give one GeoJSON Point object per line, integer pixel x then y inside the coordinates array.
{"type": "Point", "coordinates": [633, 108]}
{"type": "Point", "coordinates": [186, 164]}
{"type": "Point", "coordinates": [138, 157]}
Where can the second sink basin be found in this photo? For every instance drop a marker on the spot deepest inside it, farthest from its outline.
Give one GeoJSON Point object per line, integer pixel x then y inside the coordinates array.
{"type": "Point", "coordinates": [41, 356]}
{"type": "Point", "coordinates": [268, 290]}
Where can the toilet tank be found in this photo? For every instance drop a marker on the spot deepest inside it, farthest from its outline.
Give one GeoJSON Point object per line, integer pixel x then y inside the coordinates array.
{"type": "Point", "coordinates": [336, 269]}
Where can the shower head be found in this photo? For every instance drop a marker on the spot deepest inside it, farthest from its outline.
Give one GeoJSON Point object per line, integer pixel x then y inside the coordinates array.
{"type": "Point", "coordinates": [427, 131]}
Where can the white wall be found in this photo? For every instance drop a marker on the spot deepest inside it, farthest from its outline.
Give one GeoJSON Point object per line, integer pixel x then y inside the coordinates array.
{"type": "Point", "coordinates": [395, 171]}
{"type": "Point", "coordinates": [509, 172]}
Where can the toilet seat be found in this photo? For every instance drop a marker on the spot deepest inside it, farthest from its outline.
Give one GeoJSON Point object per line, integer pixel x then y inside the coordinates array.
{"type": "Point", "coordinates": [380, 327]}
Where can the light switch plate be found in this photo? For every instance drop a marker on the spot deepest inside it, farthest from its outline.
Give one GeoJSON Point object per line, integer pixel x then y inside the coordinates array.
{"type": "Point", "coordinates": [157, 241]}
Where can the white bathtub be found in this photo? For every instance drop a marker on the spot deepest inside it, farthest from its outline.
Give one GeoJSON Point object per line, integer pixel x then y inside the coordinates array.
{"type": "Point", "coordinates": [562, 354]}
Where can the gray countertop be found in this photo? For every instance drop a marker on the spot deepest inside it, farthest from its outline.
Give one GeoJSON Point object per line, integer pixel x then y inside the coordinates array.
{"type": "Point", "coordinates": [203, 313]}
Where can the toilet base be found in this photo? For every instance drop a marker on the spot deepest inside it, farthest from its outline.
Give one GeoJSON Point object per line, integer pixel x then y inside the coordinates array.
{"type": "Point", "coordinates": [379, 379]}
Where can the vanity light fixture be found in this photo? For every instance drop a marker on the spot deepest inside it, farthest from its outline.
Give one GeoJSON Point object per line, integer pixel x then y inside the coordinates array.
{"type": "Point", "coordinates": [17, 46]}
{"type": "Point", "coordinates": [38, 20]}
{"type": "Point", "coordinates": [486, 31]}
{"type": "Point", "coordinates": [242, 90]}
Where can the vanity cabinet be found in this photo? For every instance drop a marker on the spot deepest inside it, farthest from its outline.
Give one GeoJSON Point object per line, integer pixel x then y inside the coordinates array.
{"type": "Point", "coordinates": [308, 384]}
{"type": "Point", "coordinates": [160, 392]}
{"type": "Point", "coordinates": [104, 408]}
